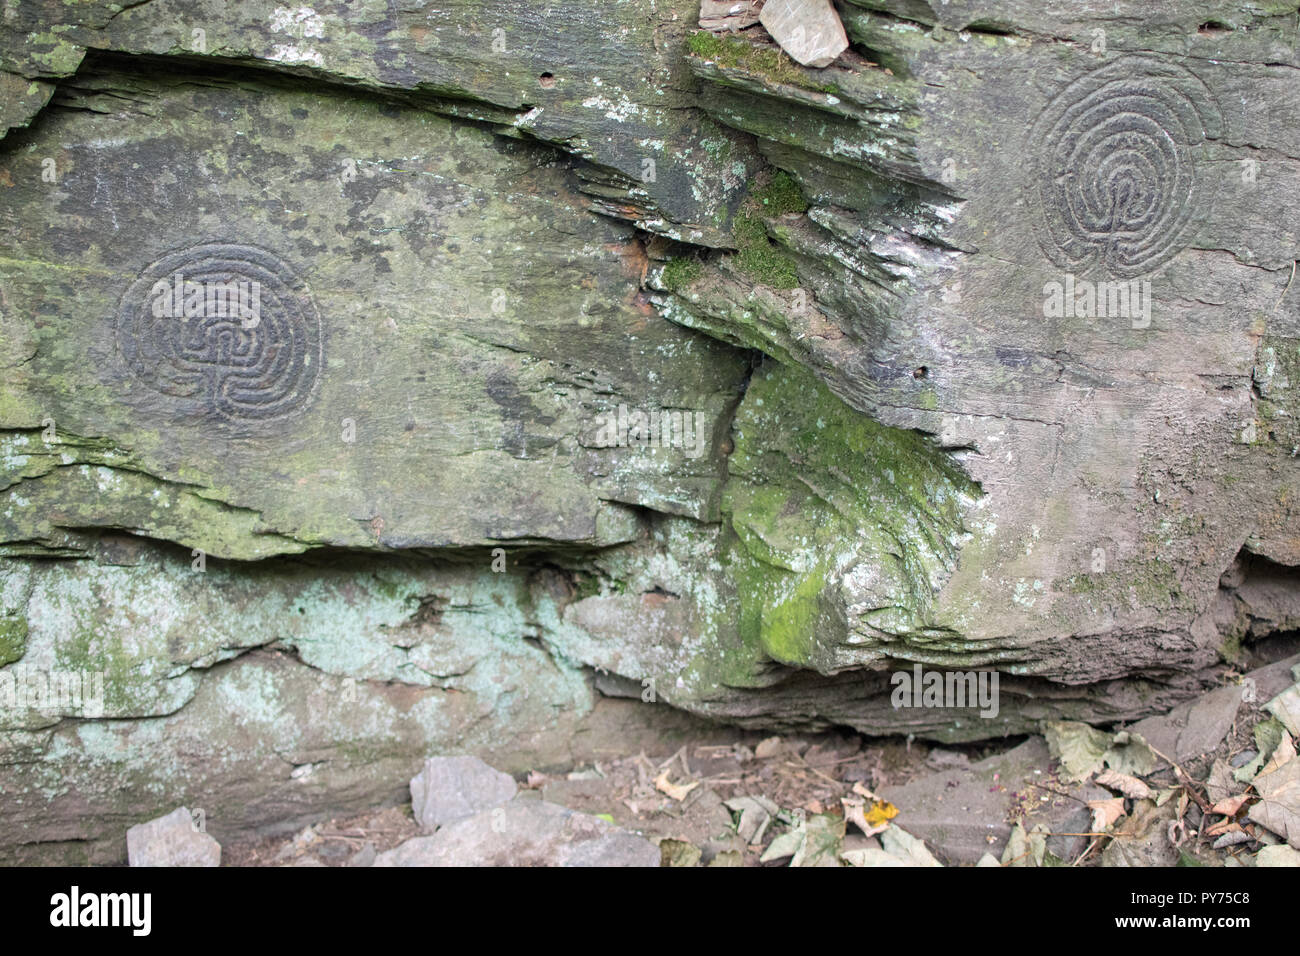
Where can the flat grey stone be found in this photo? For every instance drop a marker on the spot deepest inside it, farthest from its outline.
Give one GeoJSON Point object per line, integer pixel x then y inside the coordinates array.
{"type": "Point", "coordinates": [964, 812]}
{"type": "Point", "coordinates": [809, 30]}
{"type": "Point", "coordinates": [451, 788]}
{"type": "Point", "coordinates": [171, 841]}
{"type": "Point", "coordinates": [730, 15]}
{"type": "Point", "coordinates": [1193, 728]}
{"type": "Point", "coordinates": [525, 833]}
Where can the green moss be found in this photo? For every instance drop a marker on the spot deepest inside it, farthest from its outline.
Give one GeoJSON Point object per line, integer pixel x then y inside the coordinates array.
{"type": "Point", "coordinates": [13, 638]}
{"type": "Point", "coordinates": [681, 272]}
{"type": "Point", "coordinates": [1081, 584]}
{"type": "Point", "coordinates": [756, 254]}
{"type": "Point", "coordinates": [759, 258]}
{"type": "Point", "coordinates": [817, 488]}
{"type": "Point", "coordinates": [586, 585]}
{"type": "Point", "coordinates": [780, 196]}
{"type": "Point", "coordinates": [767, 61]}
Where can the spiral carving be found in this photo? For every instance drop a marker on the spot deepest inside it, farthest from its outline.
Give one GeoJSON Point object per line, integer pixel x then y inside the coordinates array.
{"type": "Point", "coordinates": [226, 331]}
{"type": "Point", "coordinates": [1115, 179]}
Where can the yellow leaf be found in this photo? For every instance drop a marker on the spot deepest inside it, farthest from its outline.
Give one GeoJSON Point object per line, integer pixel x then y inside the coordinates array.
{"type": "Point", "coordinates": [881, 811]}
{"type": "Point", "coordinates": [869, 821]}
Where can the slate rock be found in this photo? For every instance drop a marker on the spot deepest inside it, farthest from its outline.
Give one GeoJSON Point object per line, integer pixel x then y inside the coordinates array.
{"type": "Point", "coordinates": [526, 833]}
{"type": "Point", "coordinates": [171, 840]}
{"type": "Point", "coordinates": [729, 15]}
{"type": "Point", "coordinates": [964, 812]}
{"type": "Point", "coordinates": [1021, 463]}
{"type": "Point", "coordinates": [448, 789]}
{"type": "Point", "coordinates": [809, 30]}
{"type": "Point", "coordinates": [1193, 728]}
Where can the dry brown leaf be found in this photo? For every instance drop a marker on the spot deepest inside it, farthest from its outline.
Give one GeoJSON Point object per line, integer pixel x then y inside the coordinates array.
{"type": "Point", "coordinates": [1283, 753]}
{"type": "Point", "coordinates": [1230, 805]}
{"type": "Point", "coordinates": [768, 748]}
{"type": "Point", "coordinates": [677, 791]}
{"type": "Point", "coordinates": [1105, 812]}
{"type": "Point", "coordinates": [1222, 827]}
{"type": "Point", "coordinates": [1278, 808]}
{"type": "Point", "coordinates": [1131, 787]}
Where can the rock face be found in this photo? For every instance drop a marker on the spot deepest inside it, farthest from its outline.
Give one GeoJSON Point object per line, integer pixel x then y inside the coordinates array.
{"type": "Point", "coordinates": [173, 840]}
{"type": "Point", "coordinates": [369, 379]}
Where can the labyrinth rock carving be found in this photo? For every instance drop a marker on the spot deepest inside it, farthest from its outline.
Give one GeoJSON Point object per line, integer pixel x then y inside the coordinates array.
{"type": "Point", "coordinates": [227, 331]}
{"type": "Point", "coordinates": [1115, 178]}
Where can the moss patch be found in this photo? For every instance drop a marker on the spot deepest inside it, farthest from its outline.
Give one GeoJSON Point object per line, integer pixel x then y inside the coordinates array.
{"type": "Point", "coordinates": [818, 491]}
{"type": "Point", "coordinates": [681, 272]}
{"type": "Point", "coordinates": [13, 638]}
{"type": "Point", "coordinates": [769, 62]}
{"type": "Point", "coordinates": [756, 254]}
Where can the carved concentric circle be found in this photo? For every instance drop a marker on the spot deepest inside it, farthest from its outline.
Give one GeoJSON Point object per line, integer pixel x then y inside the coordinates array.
{"type": "Point", "coordinates": [226, 332]}
{"type": "Point", "coordinates": [1116, 156]}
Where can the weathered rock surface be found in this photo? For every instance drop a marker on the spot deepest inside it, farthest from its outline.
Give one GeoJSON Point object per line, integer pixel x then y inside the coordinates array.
{"type": "Point", "coordinates": [173, 840]}
{"type": "Point", "coordinates": [448, 789]}
{"type": "Point", "coordinates": [525, 833]}
{"type": "Point", "coordinates": [484, 234]}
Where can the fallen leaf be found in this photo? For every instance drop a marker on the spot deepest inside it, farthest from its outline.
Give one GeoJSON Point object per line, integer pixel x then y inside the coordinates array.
{"type": "Point", "coordinates": [678, 853]}
{"type": "Point", "coordinates": [755, 815]}
{"type": "Point", "coordinates": [823, 837]}
{"type": "Point", "coordinates": [871, 821]}
{"type": "Point", "coordinates": [1278, 808]}
{"type": "Point", "coordinates": [907, 848]}
{"type": "Point", "coordinates": [768, 748]}
{"type": "Point", "coordinates": [1105, 813]}
{"type": "Point", "coordinates": [871, 856]}
{"type": "Point", "coordinates": [1131, 787]}
{"type": "Point", "coordinates": [815, 841]}
{"type": "Point", "coordinates": [1220, 784]}
{"type": "Point", "coordinates": [677, 791]}
{"type": "Point", "coordinates": [1282, 754]}
{"type": "Point", "coordinates": [1078, 748]}
{"type": "Point", "coordinates": [1286, 708]}
{"type": "Point", "coordinates": [1230, 805]}
{"type": "Point", "coordinates": [1025, 849]}
{"type": "Point", "coordinates": [787, 844]}
{"type": "Point", "coordinates": [863, 791]}
{"type": "Point", "coordinates": [1268, 734]}
{"type": "Point", "coordinates": [881, 813]}
{"type": "Point", "coordinates": [1220, 828]}
{"type": "Point", "coordinates": [1130, 754]}
{"type": "Point", "coordinates": [1280, 855]}
{"type": "Point", "coordinates": [1234, 837]}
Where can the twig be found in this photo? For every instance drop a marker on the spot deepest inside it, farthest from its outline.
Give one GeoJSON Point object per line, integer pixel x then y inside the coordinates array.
{"type": "Point", "coordinates": [1189, 783]}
